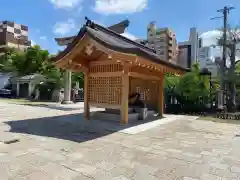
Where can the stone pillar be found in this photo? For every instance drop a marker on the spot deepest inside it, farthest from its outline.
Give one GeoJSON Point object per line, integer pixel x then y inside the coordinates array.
{"type": "Point", "coordinates": [67, 87]}
{"type": "Point", "coordinates": [18, 89]}
{"type": "Point", "coordinates": [29, 89]}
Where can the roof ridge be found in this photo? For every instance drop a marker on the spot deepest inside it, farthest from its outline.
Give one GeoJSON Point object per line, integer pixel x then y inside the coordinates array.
{"type": "Point", "coordinates": [95, 25]}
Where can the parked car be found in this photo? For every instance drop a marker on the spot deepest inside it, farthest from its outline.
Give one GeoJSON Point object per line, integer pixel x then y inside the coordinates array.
{"type": "Point", "coordinates": [5, 93]}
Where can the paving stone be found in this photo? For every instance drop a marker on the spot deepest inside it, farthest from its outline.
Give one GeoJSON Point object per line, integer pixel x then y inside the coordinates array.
{"type": "Point", "coordinates": [82, 168]}
{"type": "Point", "coordinates": [184, 148]}
{"type": "Point", "coordinates": [59, 171]}
{"type": "Point", "coordinates": [192, 155]}
{"type": "Point", "coordinates": [219, 166]}
{"type": "Point", "coordinates": [38, 175]}
{"type": "Point", "coordinates": [210, 177]}
{"type": "Point", "coordinates": [143, 176]}
{"type": "Point", "coordinates": [190, 178]}
{"type": "Point", "coordinates": [105, 165]}
{"type": "Point", "coordinates": [235, 169]}
{"type": "Point", "coordinates": [122, 177]}
{"type": "Point", "coordinates": [82, 177]}
{"type": "Point", "coordinates": [101, 175]}
{"type": "Point", "coordinates": [225, 173]}
{"type": "Point", "coordinates": [8, 138]}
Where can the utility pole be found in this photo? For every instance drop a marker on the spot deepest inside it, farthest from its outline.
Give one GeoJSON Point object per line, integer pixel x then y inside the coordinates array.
{"type": "Point", "coordinates": [225, 12]}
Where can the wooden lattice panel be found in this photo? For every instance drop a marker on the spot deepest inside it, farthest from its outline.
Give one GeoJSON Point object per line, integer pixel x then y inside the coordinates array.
{"type": "Point", "coordinates": [146, 88]}
{"type": "Point", "coordinates": [105, 68]}
{"type": "Point", "coordinates": [105, 90]}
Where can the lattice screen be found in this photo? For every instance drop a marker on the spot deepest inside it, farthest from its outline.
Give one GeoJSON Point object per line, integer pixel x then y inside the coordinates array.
{"type": "Point", "coordinates": [106, 68]}
{"type": "Point", "coordinates": [105, 90]}
{"type": "Point", "coordinates": [146, 88]}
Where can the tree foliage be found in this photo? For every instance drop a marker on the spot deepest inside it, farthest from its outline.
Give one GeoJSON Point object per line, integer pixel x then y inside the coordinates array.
{"type": "Point", "coordinates": [35, 60]}
{"type": "Point", "coordinates": [188, 89]}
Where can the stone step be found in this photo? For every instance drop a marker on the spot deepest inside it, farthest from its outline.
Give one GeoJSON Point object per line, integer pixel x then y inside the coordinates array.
{"type": "Point", "coordinates": [117, 111]}
{"type": "Point", "coordinates": [103, 115]}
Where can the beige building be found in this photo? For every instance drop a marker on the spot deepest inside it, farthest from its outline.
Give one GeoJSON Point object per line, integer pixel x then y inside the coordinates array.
{"type": "Point", "coordinates": [163, 40]}
{"type": "Point", "coordinates": [13, 35]}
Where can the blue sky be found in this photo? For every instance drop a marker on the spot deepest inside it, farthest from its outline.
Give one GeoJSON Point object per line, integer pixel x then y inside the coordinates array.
{"type": "Point", "coordinates": [57, 18]}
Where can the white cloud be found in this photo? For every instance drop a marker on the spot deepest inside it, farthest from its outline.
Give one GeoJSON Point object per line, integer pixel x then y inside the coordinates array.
{"type": "Point", "coordinates": [129, 36]}
{"type": "Point", "coordinates": [66, 4]}
{"type": "Point", "coordinates": [33, 43]}
{"type": "Point", "coordinates": [119, 6]}
{"type": "Point", "coordinates": [210, 37]}
{"type": "Point", "coordinates": [43, 38]}
{"type": "Point", "coordinates": [62, 28]}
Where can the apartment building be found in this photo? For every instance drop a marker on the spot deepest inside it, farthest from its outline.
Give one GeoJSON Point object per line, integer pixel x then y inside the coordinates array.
{"type": "Point", "coordinates": [163, 40]}
{"type": "Point", "coordinates": [13, 35]}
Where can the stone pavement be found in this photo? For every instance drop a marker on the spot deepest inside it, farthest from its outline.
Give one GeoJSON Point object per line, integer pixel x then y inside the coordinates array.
{"type": "Point", "coordinates": [59, 145]}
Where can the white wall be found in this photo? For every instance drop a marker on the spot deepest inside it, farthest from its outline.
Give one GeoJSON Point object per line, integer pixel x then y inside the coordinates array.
{"type": "Point", "coordinates": [3, 80]}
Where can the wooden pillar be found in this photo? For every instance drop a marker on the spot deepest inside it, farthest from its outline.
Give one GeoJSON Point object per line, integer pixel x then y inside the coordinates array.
{"type": "Point", "coordinates": [161, 96]}
{"type": "Point", "coordinates": [125, 92]}
{"type": "Point", "coordinates": [86, 99]}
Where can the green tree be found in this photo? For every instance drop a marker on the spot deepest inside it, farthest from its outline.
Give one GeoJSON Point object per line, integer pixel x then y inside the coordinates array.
{"type": "Point", "coordinates": [193, 85]}
{"type": "Point", "coordinates": [190, 90]}
{"type": "Point", "coordinates": [6, 61]}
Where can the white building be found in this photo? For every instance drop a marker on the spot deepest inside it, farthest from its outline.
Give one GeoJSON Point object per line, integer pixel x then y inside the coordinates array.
{"type": "Point", "coordinates": [206, 58]}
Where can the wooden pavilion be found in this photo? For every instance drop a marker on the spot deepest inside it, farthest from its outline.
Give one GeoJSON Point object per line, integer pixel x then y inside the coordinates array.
{"type": "Point", "coordinates": [114, 67]}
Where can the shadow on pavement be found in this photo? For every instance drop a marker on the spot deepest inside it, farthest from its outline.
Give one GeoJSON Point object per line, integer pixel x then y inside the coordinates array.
{"type": "Point", "coordinates": [54, 107]}
{"type": "Point", "coordinates": [71, 127]}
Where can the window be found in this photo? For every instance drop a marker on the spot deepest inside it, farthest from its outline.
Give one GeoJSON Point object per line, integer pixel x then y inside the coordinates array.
{"type": "Point", "coordinates": [161, 53]}
{"type": "Point", "coordinates": [161, 39]}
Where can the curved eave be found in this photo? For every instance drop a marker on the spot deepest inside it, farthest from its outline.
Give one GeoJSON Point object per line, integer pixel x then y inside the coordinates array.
{"type": "Point", "coordinates": [65, 41]}
{"type": "Point", "coordinates": [86, 34]}
{"type": "Point", "coordinates": [74, 44]}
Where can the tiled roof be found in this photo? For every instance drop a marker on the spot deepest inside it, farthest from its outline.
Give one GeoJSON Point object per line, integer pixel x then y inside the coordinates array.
{"type": "Point", "coordinates": [117, 42]}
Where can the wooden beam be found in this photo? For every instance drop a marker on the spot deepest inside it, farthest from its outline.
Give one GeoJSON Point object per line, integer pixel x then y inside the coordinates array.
{"type": "Point", "coordinates": [80, 59]}
{"type": "Point", "coordinates": [103, 62]}
{"type": "Point", "coordinates": [141, 61]}
{"type": "Point", "coordinates": [86, 98]}
{"type": "Point", "coordinates": [161, 96]}
{"type": "Point", "coordinates": [125, 94]}
{"type": "Point", "coordinates": [143, 76]}
{"type": "Point", "coordinates": [124, 57]}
